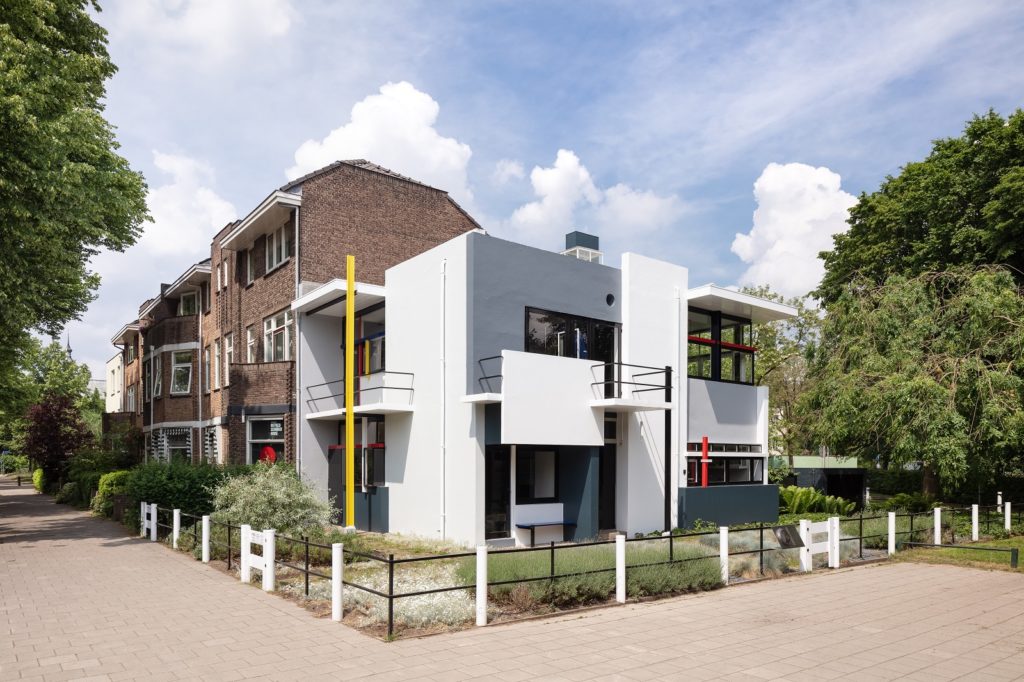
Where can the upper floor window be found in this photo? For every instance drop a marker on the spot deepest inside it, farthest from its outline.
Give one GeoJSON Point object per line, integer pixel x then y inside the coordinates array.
{"type": "Point", "coordinates": [250, 267]}
{"type": "Point", "coordinates": [129, 353]}
{"type": "Point", "coordinates": [158, 374]}
{"type": "Point", "coordinates": [279, 247]}
{"type": "Point", "coordinates": [570, 336]}
{"type": "Point", "coordinates": [216, 364]}
{"type": "Point", "coordinates": [181, 372]}
{"type": "Point", "coordinates": [719, 347]}
{"type": "Point", "coordinates": [250, 344]}
{"type": "Point", "coordinates": [129, 399]}
{"type": "Point", "coordinates": [204, 296]}
{"type": "Point", "coordinates": [206, 369]}
{"type": "Point", "coordinates": [187, 304]}
{"type": "Point", "coordinates": [229, 354]}
{"type": "Point", "coordinates": [277, 337]}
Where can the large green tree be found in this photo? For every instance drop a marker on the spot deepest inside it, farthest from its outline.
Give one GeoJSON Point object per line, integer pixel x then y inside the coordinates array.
{"type": "Point", "coordinates": [925, 369]}
{"type": "Point", "coordinates": [65, 193]}
{"type": "Point", "coordinates": [783, 348]}
{"type": "Point", "coordinates": [962, 205]}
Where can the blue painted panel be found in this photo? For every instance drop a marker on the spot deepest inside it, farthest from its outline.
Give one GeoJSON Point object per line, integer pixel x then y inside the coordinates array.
{"type": "Point", "coordinates": [727, 505]}
{"type": "Point", "coordinates": [578, 470]}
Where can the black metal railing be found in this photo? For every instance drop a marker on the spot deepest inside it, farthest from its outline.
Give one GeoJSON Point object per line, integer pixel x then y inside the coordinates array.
{"type": "Point", "coordinates": [487, 381]}
{"type": "Point", "coordinates": [312, 402]}
{"type": "Point", "coordinates": [613, 385]}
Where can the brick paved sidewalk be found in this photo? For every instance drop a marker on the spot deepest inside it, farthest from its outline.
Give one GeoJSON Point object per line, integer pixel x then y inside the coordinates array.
{"type": "Point", "coordinates": [81, 600]}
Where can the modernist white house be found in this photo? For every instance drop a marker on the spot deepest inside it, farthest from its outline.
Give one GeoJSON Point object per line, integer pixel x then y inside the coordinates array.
{"type": "Point", "coordinates": [509, 394]}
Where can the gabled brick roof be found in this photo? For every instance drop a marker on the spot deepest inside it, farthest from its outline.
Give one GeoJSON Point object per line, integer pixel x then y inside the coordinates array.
{"type": "Point", "coordinates": [357, 163]}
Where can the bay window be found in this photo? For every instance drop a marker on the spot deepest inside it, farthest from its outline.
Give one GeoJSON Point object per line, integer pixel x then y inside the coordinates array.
{"type": "Point", "coordinates": [181, 372]}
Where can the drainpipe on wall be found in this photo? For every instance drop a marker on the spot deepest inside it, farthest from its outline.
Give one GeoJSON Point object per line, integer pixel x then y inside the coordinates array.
{"type": "Point", "coordinates": [199, 374]}
{"type": "Point", "coordinates": [444, 416]}
{"type": "Point", "coordinates": [298, 353]}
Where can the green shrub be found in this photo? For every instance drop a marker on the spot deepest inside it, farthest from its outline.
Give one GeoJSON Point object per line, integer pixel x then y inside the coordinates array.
{"type": "Point", "coordinates": [110, 484]}
{"type": "Point", "coordinates": [796, 500]}
{"type": "Point", "coordinates": [68, 494]}
{"type": "Point", "coordinates": [894, 481]}
{"type": "Point", "coordinates": [38, 480]}
{"type": "Point", "coordinates": [86, 467]}
{"type": "Point", "coordinates": [10, 463]}
{"type": "Point", "coordinates": [188, 487]}
{"type": "Point", "coordinates": [272, 496]}
{"type": "Point", "coordinates": [914, 502]}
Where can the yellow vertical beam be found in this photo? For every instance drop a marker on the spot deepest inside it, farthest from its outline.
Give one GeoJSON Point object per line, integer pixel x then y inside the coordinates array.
{"type": "Point", "coordinates": [350, 418]}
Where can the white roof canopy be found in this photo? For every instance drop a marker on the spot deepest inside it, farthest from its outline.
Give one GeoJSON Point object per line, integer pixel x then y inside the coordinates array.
{"type": "Point", "coordinates": [329, 299]}
{"type": "Point", "coordinates": [719, 299]}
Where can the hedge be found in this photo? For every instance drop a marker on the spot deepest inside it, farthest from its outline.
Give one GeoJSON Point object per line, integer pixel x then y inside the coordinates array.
{"type": "Point", "coordinates": [178, 485]}
{"type": "Point", "coordinates": [894, 481]}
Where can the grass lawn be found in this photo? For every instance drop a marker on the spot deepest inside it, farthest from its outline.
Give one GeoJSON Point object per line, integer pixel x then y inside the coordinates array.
{"type": "Point", "coordinates": [961, 557]}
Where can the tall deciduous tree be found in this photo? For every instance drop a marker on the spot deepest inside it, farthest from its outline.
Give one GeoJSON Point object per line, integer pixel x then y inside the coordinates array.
{"type": "Point", "coordinates": [65, 193]}
{"type": "Point", "coordinates": [55, 432]}
{"type": "Point", "coordinates": [925, 369]}
{"type": "Point", "coordinates": [782, 351]}
{"type": "Point", "coordinates": [962, 205]}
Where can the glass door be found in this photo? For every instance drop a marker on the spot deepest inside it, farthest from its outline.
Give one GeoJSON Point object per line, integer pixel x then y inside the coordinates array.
{"type": "Point", "coordinates": [497, 491]}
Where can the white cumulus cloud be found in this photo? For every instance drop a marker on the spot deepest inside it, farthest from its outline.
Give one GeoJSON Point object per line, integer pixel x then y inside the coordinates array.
{"type": "Point", "coordinates": [507, 170]}
{"type": "Point", "coordinates": [212, 29]}
{"type": "Point", "coordinates": [394, 128]}
{"type": "Point", "coordinates": [569, 199]}
{"type": "Point", "coordinates": [799, 209]}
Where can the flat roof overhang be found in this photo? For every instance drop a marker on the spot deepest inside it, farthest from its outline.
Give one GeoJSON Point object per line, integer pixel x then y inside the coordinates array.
{"type": "Point", "coordinates": [719, 299]}
{"type": "Point", "coordinates": [338, 414]}
{"type": "Point", "coordinates": [265, 218]}
{"type": "Point", "coordinates": [329, 299]}
{"type": "Point", "coordinates": [121, 337]}
{"type": "Point", "coordinates": [189, 281]}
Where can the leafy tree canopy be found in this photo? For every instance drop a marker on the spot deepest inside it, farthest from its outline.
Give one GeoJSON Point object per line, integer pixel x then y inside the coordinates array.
{"type": "Point", "coordinates": [64, 191]}
{"type": "Point", "coordinates": [962, 205]}
{"type": "Point", "coordinates": [924, 369]}
{"type": "Point", "coordinates": [54, 433]}
{"type": "Point", "coordinates": [782, 351]}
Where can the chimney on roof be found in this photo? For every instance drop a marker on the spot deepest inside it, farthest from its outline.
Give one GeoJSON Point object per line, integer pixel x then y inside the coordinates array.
{"type": "Point", "coordinates": [583, 246]}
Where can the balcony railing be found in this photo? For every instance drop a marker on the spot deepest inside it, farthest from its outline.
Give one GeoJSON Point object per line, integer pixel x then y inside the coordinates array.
{"type": "Point", "coordinates": [379, 388]}
{"type": "Point", "coordinates": [613, 385]}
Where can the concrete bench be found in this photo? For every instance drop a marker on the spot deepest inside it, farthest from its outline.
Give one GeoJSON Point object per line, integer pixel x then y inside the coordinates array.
{"type": "Point", "coordinates": [532, 527]}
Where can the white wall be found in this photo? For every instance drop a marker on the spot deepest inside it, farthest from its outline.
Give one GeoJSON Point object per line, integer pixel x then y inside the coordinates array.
{"type": "Point", "coordinates": [114, 382]}
{"type": "Point", "coordinates": [320, 361]}
{"type": "Point", "coordinates": [546, 401]}
{"type": "Point", "coordinates": [426, 321]}
{"type": "Point", "coordinates": [727, 413]}
{"type": "Point", "coordinates": [653, 329]}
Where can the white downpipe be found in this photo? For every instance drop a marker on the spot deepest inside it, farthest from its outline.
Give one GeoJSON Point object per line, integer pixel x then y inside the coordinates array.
{"type": "Point", "coordinates": [199, 385]}
{"type": "Point", "coordinates": [444, 415]}
{"type": "Point", "coordinates": [298, 355]}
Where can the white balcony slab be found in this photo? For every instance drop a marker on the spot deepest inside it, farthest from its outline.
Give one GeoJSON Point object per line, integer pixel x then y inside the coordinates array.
{"type": "Point", "coordinates": [630, 405]}
{"type": "Point", "coordinates": [482, 398]}
{"type": "Point", "coordinates": [372, 408]}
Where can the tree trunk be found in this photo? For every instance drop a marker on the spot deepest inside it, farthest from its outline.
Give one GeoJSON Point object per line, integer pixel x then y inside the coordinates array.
{"type": "Point", "coordinates": [930, 481]}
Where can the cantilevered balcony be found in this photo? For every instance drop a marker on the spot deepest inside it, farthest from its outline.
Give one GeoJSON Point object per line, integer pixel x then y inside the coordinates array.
{"type": "Point", "coordinates": [384, 392]}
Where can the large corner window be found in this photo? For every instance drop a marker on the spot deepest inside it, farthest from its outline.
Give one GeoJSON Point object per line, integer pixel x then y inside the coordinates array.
{"type": "Point", "coordinates": [536, 475]}
{"type": "Point", "coordinates": [181, 372]}
{"type": "Point", "coordinates": [726, 471]}
{"type": "Point", "coordinates": [266, 440]}
{"type": "Point", "coordinates": [719, 347]}
{"type": "Point", "coordinates": [277, 337]}
{"type": "Point", "coordinates": [570, 336]}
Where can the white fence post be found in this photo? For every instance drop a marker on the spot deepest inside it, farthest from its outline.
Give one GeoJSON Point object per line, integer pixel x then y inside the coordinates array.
{"type": "Point", "coordinates": [974, 522]}
{"type": "Point", "coordinates": [143, 509]}
{"type": "Point", "coordinates": [206, 539]}
{"type": "Point", "coordinates": [867, 497]}
{"type": "Point", "coordinates": [937, 526]}
{"type": "Point", "coordinates": [481, 585]}
{"type": "Point", "coordinates": [152, 523]}
{"type": "Point", "coordinates": [337, 576]}
{"type": "Point", "coordinates": [999, 499]}
{"type": "Point", "coordinates": [175, 528]}
{"type": "Point", "coordinates": [1006, 521]}
{"type": "Point", "coordinates": [723, 553]}
{"type": "Point", "coordinates": [892, 533]}
{"type": "Point", "coordinates": [620, 568]}
{"type": "Point", "coordinates": [269, 559]}
{"type": "Point", "coordinates": [245, 573]}
{"type": "Point", "coordinates": [833, 542]}
{"type": "Point", "coordinates": [806, 557]}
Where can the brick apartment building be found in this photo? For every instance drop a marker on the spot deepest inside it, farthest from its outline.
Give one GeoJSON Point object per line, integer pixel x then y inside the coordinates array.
{"type": "Point", "coordinates": [209, 366]}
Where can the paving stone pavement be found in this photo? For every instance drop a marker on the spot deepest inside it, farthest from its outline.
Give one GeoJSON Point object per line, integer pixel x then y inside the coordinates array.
{"type": "Point", "coordinates": [81, 600]}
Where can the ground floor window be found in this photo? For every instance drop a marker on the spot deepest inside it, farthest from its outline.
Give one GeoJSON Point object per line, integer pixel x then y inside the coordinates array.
{"type": "Point", "coordinates": [726, 470]}
{"type": "Point", "coordinates": [536, 475]}
{"type": "Point", "coordinates": [178, 445]}
{"type": "Point", "coordinates": [266, 439]}
{"type": "Point", "coordinates": [211, 444]}
{"type": "Point", "coordinates": [369, 455]}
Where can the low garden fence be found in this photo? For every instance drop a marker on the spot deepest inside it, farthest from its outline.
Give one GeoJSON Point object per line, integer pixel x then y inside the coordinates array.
{"type": "Point", "coordinates": [476, 581]}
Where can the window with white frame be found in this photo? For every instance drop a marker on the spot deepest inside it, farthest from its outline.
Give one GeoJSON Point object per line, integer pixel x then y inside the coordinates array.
{"type": "Point", "coordinates": [129, 399]}
{"type": "Point", "coordinates": [250, 267]}
{"type": "Point", "coordinates": [266, 439]}
{"type": "Point", "coordinates": [229, 354]}
{"type": "Point", "coordinates": [129, 353]}
{"type": "Point", "coordinates": [158, 375]}
{"type": "Point", "coordinates": [279, 247]}
{"type": "Point", "coordinates": [181, 372]}
{"type": "Point", "coordinates": [226, 269]}
{"type": "Point", "coordinates": [206, 369]}
{"type": "Point", "coordinates": [147, 380]}
{"type": "Point", "coordinates": [178, 444]}
{"type": "Point", "coordinates": [216, 364]}
{"type": "Point", "coordinates": [277, 337]}
{"type": "Point", "coordinates": [250, 344]}
{"type": "Point", "coordinates": [187, 304]}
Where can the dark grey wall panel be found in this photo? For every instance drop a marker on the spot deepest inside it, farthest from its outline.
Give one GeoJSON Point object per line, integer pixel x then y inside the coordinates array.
{"type": "Point", "coordinates": [578, 470]}
{"type": "Point", "coordinates": [727, 505]}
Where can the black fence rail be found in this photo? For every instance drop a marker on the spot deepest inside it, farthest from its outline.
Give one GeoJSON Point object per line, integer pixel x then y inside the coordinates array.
{"type": "Point", "coordinates": [1012, 551]}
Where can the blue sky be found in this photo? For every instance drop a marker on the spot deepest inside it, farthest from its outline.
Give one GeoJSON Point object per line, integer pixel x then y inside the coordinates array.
{"type": "Point", "coordinates": [666, 128]}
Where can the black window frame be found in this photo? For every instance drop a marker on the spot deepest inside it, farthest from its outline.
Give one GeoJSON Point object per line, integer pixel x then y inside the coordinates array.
{"type": "Point", "coordinates": [588, 323]}
{"type": "Point", "coordinates": [523, 452]}
{"type": "Point", "coordinates": [694, 481]}
{"type": "Point", "coordinates": [715, 344]}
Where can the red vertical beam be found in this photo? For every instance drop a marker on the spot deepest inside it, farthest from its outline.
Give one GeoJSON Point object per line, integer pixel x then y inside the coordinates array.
{"type": "Point", "coordinates": [704, 462]}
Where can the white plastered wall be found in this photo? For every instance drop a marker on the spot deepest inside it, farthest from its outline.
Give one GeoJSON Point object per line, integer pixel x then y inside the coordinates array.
{"type": "Point", "coordinates": [426, 317]}
{"type": "Point", "coordinates": [653, 333]}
